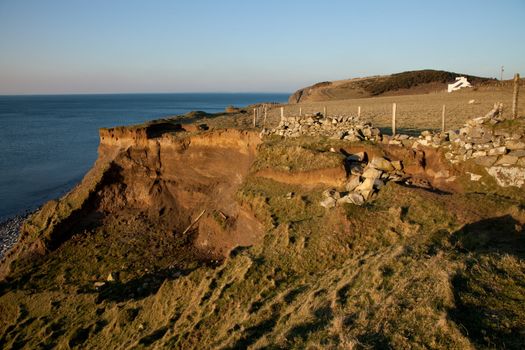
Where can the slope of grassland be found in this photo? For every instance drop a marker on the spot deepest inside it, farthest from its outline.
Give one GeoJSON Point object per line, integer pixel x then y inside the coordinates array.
{"type": "Point", "coordinates": [405, 83]}
{"type": "Point", "coordinates": [413, 267]}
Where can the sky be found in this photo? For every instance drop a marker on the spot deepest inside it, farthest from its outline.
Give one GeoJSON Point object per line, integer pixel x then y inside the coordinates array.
{"type": "Point", "coordinates": [120, 46]}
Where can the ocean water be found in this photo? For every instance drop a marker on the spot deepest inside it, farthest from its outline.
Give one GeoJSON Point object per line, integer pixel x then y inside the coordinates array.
{"type": "Point", "coordinates": [48, 143]}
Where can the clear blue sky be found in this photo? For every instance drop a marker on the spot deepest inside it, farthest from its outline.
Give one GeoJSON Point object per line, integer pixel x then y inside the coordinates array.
{"type": "Point", "coordinates": [71, 46]}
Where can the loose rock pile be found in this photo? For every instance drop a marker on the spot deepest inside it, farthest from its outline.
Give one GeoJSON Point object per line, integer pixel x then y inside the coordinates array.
{"type": "Point", "coordinates": [9, 233]}
{"type": "Point", "coordinates": [337, 127]}
{"type": "Point", "coordinates": [366, 179]}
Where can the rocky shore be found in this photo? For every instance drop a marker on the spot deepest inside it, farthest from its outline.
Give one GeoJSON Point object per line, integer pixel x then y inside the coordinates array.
{"type": "Point", "coordinates": [9, 232]}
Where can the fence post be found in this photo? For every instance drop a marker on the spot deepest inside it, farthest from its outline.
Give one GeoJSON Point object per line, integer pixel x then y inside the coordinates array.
{"type": "Point", "coordinates": [443, 118]}
{"type": "Point", "coordinates": [265, 112]}
{"type": "Point", "coordinates": [300, 111]}
{"type": "Point", "coordinates": [359, 111]}
{"type": "Point", "coordinates": [515, 96]}
{"type": "Point", "coordinates": [282, 113]}
{"type": "Point", "coordinates": [324, 111]}
{"type": "Point", "coordinates": [254, 112]}
{"type": "Point", "coordinates": [394, 119]}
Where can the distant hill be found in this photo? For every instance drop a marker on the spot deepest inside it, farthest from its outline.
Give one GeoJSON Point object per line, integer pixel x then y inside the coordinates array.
{"type": "Point", "coordinates": [405, 83]}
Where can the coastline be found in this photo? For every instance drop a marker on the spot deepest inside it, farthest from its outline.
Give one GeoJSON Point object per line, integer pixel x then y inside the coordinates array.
{"type": "Point", "coordinates": [10, 231]}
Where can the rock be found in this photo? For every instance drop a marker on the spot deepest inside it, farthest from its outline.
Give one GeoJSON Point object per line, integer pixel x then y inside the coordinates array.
{"type": "Point", "coordinates": [474, 177]}
{"type": "Point", "coordinates": [357, 157]}
{"type": "Point", "coordinates": [478, 154]}
{"type": "Point", "coordinates": [328, 203]}
{"type": "Point", "coordinates": [372, 173]}
{"type": "Point", "coordinates": [378, 183]}
{"type": "Point", "coordinates": [397, 164]}
{"type": "Point", "coordinates": [486, 161]}
{"type": "Point", "coordinates": [99, 284]}
{"type": "Point", "coordinates": [497, 151]}
{"type": "Point", "coordinates": [518, 153]}
{"type": "Point", "coordinates": [366, 186]}
{"type": "Point", "coordinates": [111, 277]}
{"type": "Point", "coordinates": [352, 183]}
{"type": "Point", "coordinates": [289, 195]}
{"type": "Point", "coordinates": [331, 193]}
{"type": "Point", "coordinates": [508, 176]}
{"type": "Point", "coordinates": [356, 198]}
{"type": "Point", "coordinates": [515, 145]}
{"type": "Point", "coordinates": [381, 164]}
{"type": "Point", "coordinates": [356, 169]}
{"type": "Point", "coordinates": [507, 160]}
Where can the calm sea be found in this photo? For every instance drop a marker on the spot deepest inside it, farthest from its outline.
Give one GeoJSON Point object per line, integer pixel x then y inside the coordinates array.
{"type": "Point", "coordinates": [48, 143]}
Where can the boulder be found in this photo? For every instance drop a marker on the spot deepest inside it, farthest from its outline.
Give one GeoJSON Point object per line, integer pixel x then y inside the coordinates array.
{"type": "Point", "coordinates": [352, 183]}
{"type": "Point", "coordinates": [356, 157]}
{"type": "Point", "coordinates": [372, 173]}
{"type": "Point", "coordinates": [356, 198]}
{"type": "Point", "coordinates": [507, 160]}
{"type": "Point", "coordinates": [381, 164]}
{"type": "Point", "coordinates": [365, 186]}
{"type": "Point", "coordinates": [508, 176]}
{"type": "Point", "coordinates": [486, 161]}
{"type": "Point", "coordinates": [515, 145]}
{"type": "Point", "coordinates": [328, 203]}
{"type": "Point", "coordinates": [497, 151]}
{"type": "Point", "coordinates": [397, 164]}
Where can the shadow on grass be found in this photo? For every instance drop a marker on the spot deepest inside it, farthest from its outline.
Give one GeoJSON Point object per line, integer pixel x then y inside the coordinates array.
{"type": "Point", "coordinates": [489, 293]}
{"type": "Point", "coordinates": [139, 288]}
{"type": "Point", "coordinates": [502, 235]}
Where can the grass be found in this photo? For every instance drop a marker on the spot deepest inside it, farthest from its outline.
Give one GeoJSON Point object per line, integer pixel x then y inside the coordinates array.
{"type": "Point", "coordinates": [410, 269]}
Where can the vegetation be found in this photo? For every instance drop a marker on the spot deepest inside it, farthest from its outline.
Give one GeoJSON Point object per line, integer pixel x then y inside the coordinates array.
{"type": "Point", "coordinates": [408, 80]}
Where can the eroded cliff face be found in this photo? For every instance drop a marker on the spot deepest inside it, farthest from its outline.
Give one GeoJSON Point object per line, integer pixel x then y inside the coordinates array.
{"type": "Point", "coordinates": [163, 173]}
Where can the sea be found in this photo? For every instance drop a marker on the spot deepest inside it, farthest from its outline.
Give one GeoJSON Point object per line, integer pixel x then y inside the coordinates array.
{"type": "Point", "coordinates": [48, 142]}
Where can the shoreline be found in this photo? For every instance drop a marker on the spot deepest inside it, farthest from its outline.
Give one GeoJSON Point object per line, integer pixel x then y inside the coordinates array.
{"type": "Point", "coordinates": [10, 231]}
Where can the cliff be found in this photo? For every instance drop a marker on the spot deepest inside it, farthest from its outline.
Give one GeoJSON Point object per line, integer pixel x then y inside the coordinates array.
{"type": "Point", "coordinates": [187, 238]}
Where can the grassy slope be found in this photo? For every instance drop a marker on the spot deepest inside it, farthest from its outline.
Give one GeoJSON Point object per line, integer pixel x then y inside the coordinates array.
{"type": "Point", "coordinates": [412, 268]}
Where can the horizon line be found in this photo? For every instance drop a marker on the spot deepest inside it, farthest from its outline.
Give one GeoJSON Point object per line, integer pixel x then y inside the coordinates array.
{"type": "Point", "coordinates": [144, 93]}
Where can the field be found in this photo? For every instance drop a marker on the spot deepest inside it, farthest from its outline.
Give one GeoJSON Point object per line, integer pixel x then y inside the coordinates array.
{"type": "Point", "coordinates": [415, 113]}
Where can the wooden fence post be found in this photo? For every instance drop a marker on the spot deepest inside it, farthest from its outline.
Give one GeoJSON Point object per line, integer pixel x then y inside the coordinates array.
{"type": "Point", "coordinates": [515, 96]}
{"type": "Point", "coordinates": [359, 111]}
{"type": "Point", "coordinates": [282, 113]}
{"type": "Point", "coordinates": [394, 119]}
{"type": "Point", "coordinates": [443, 118]}
{"type": "Point", "coordinates": [254, 116]}
{"type": "Point", "coordinates": [324, 111]}
{"type": "Point", "coordinates": [300, 111]}
{"type": "Point", "coordinates": [265, 112]}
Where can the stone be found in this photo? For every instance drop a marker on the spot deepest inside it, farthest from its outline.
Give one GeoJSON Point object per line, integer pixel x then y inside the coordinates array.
{"type": "Point", "coordinates": [518, 153]}
{"type": "Point", "coordinates": [378, 183]}
{"type": "Point", "coordinates": [397, 164]}
{"type": "Point", "coordinates": [367, 185]}
{"type": "Point", "coordinates": [507, 160]}
{"type": "Point", "coordinates": [381, 164]}
{"type": "Point", "coordinates": [111, 277]}
{"type": "Point", "coordinates": [356, 169]}
{"type": "Point", "coordinates": [478, 154]}
{"type": "Point", "coordinates": [486, 161]}
{"type": "Point", "coordinates": [352, 183]}
{"type": "Point", "coordinates": [508, 176]}
{"type": "Point", "coordinates": [356, 157]}
{"type": "Point", "coordinates": [474, 177]}
{"type": "Point", "coordinates": [99, 284]}
{"type": "Point", "coordinates": [515, 145]}
{"type": "Point", "coordinates": [356, 198]}
{"type": "Point", "coordinates": [497, 151]}
{"type": "Point", "coordinates": [328, 203]}
{"type": "Point", "coordinates": [372, 173]}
